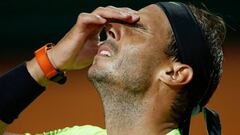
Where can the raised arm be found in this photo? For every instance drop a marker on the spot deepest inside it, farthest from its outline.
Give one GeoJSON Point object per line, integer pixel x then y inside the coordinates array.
{"type": "Point", "coordinates": [20, 86]}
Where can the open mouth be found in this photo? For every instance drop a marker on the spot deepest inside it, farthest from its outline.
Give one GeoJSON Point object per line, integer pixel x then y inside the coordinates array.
{"type": "Point", "coordinates": [105, 53]}
{"type": "Point", "coordinates": [105, 50]}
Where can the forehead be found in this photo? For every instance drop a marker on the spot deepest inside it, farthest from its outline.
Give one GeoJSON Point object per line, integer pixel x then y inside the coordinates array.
{"type": "Point", "coordinates": [154, 18]}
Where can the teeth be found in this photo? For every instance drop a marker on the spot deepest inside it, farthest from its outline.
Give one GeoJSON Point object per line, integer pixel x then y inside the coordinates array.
{"type": "Point", "coordinates": [105, 53]}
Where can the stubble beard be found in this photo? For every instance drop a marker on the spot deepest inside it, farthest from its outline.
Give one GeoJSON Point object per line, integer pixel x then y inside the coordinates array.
{"type": "Point", "coordinates": [122, 103]}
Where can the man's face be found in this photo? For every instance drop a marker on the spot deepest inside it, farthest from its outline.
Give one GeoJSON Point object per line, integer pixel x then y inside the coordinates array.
{"type": "Point", "coordinates": [132, 52]}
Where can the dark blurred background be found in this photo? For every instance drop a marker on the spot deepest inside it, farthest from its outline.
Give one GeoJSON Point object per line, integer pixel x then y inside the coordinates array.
{"type": "Point", "coordinates": [26, 25]}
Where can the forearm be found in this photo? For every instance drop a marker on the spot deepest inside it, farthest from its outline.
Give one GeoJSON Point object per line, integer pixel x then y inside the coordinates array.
{"type": "Point", "coordinates": [19, 87]}
{"type": "Point", "coordinates": [75, 51]}
{"type": "Point", "coordinates": [36, 72]}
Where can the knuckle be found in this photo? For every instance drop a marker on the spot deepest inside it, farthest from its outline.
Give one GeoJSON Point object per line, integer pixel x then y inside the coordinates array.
{"type": "Point", "coordinates": [98, 9]}
{"type": "Point", "coordinates": [126, 8]}
{"type": "Point", "coordinates": [81, 16]}
{"type": "Point", "coordinates": [109, 6]}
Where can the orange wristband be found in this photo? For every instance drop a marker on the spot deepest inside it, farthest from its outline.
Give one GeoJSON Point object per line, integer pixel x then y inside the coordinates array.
{"type": "Point", "coordinates": [44, 62]}
{"type": "Point", "coordinates": [48, 69]}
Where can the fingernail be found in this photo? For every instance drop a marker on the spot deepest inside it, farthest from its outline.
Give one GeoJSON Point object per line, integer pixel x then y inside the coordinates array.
{"type": "Point", "coordinates": [99, 17]}
{"type": "Point", "coordinates": [135, 17]}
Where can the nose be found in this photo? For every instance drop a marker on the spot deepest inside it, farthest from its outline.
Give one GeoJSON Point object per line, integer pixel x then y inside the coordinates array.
{"type": "Point", "coordinates": [113, 31]}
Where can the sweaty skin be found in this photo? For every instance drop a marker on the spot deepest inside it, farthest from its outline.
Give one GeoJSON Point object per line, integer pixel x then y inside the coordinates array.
{"type": "Point", "coordinates": [136, 80]}
{"type": "Point", "coordinates": [78, 47]}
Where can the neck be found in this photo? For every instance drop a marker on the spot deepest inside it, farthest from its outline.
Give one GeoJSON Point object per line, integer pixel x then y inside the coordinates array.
{"type": "Point", "coordinates": [134, 114]}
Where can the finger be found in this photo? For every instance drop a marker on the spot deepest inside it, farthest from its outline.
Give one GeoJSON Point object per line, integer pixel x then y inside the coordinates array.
{"type": "Point", "coordinates": [133, 13]}
{"type": "Point", "coordinates": [86, 18]}
{"type": "Point", "coordinates": [134, 17]}
{"type": "Point", "coordinates": [110, 13]}
{"type": "Point", "coordinates": [125, 9]}
{"type": "Point", "coordinates": [86, 24]}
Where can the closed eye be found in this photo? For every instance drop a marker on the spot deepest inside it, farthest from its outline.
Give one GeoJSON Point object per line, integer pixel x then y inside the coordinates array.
{"type": "Point", "coordinates": [137, 25]}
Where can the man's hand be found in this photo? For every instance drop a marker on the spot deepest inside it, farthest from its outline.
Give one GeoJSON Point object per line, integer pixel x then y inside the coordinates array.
{"type": "Point", "coordinates": [77, 48]}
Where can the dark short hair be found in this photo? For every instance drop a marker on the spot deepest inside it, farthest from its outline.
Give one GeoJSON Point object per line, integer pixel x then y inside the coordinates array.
{"type": "Point", "coordinates": [214, 31]}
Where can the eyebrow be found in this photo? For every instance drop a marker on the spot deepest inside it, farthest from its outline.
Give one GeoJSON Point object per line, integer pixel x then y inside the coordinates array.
{"type": "Point", "coordinates": [138, 25]}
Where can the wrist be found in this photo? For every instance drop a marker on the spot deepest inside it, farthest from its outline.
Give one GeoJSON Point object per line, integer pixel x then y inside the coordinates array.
{"type": "Point", "coordinates": [46, 65]}
{"type": "Point", "coordinates": [36, 72]}
{"type": "Point", "coordinates": [55, 60]}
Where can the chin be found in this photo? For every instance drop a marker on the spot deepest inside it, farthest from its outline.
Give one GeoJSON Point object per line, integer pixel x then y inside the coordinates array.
{"type": "Point", "coordinates": [100, 71]}
{"type": "Point", "coordinates": [101, 63]}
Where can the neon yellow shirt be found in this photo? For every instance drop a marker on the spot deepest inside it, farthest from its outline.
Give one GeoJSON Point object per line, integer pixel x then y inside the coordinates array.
{"type": "Point", "coordinates": [87, 130]}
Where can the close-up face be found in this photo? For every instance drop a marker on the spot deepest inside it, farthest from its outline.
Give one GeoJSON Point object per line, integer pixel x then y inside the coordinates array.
{"type": "Point", "coordinates": [133, 52]}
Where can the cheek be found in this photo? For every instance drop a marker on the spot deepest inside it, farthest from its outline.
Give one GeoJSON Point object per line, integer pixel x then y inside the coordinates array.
{"type": "Point", "coordinates": [134, 61]}
{"type": "Point", "coordinates": [129, 57]}
{"type": "Point", "coordinates": [133, 36]}
{"type": "Point", "coordinates": [138, 53]}
{"type": "Point", "coordinates": [137, 58]}
{"type": "Point", "coordinates": [134, 70]}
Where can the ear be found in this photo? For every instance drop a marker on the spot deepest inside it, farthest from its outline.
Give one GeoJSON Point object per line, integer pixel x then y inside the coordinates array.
{"type": "Point", "coordinates": [178, 74]}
